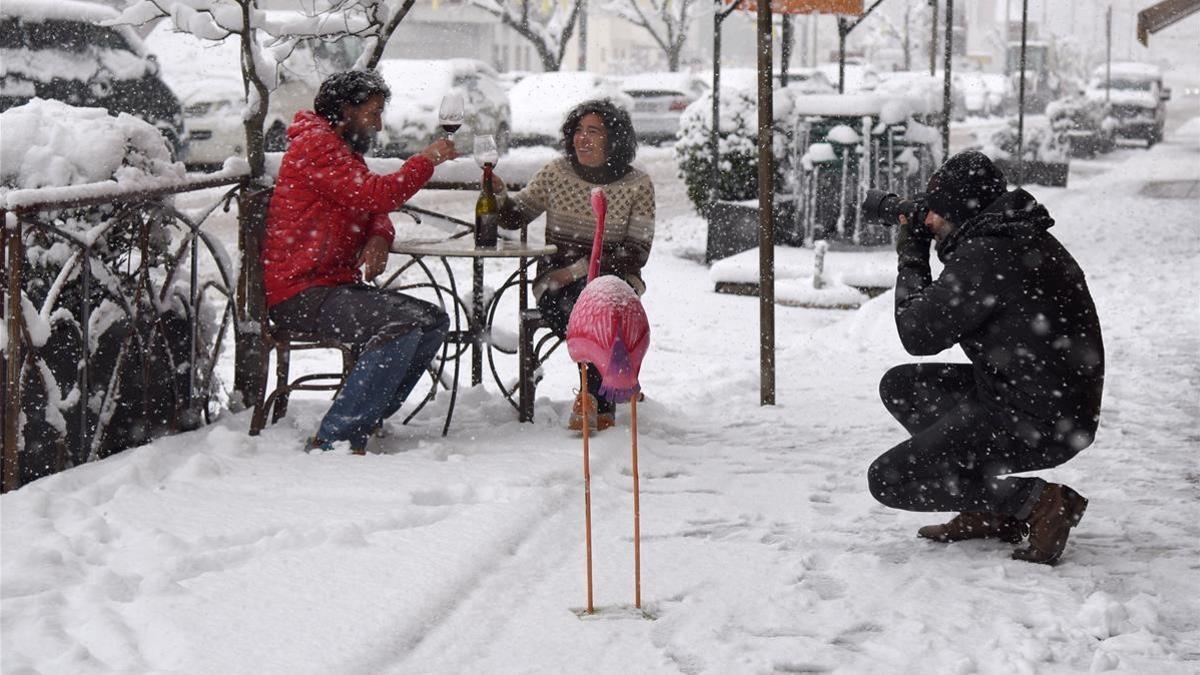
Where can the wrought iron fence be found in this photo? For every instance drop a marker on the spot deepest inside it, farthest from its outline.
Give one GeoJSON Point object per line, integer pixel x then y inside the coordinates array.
{"type": "Point", "coordinates": [116, 308]}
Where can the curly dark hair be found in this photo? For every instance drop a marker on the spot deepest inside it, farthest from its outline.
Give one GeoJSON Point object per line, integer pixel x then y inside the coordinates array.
{"type": "Point", "coordinates": [621, 144]}
{"type": "Point", "coordinates": [352, 87]}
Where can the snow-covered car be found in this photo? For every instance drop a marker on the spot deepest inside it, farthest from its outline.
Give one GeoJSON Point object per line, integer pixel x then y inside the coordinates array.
{"type": "Point", "coordinates": [983, 94]}
{"type": "Point", "coordinates": [206, 75]}
{"type": "Point", "coordinates": [924, 92]}
{"type": "Point", "coordinates": [659, 99]}
{"type": "Point", "coordinates": [418, 86]}
{"type": "Point", "coordinates": [58, 50]}
{"type": "Point", "coordinates": [541, 101]}
{"type": "Point", "coordinates": [1137, 96]}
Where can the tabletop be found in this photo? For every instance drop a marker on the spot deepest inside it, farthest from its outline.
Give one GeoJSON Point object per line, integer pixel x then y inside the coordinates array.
{"type": "Point", "coordinates": [464, 247]}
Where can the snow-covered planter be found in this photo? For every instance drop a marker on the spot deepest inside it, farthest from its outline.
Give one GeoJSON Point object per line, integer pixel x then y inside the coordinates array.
{"type": "Point", "coordinates": [137, 332]}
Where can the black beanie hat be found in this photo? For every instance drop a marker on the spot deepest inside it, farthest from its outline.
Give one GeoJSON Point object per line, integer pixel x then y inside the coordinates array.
{"type": "Point", "coordinates": [964, 186]}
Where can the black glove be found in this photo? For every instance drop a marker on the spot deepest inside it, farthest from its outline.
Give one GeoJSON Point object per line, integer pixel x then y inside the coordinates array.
{"type": "Point", "coordinates": [912, 243]}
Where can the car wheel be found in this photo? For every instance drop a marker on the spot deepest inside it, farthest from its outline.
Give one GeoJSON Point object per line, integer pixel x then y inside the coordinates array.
{"type": "Point", "coordinates": [275, 140]}
{"type": "Point", "coordinates": [502, 139]}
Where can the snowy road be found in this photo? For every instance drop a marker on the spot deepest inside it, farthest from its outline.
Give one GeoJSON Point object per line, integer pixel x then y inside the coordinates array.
{"type": "Point", "coordinates": [762, 550]}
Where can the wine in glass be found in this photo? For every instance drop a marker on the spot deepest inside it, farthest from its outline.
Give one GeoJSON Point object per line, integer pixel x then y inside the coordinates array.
{"type": "Point", "coordinates": [451, 113]}
{"type": "Point", "coordinates": [486, 152]}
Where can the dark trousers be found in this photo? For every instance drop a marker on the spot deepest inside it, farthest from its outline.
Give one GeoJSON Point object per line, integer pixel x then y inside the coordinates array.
{"type": "Point", "coordinates": [556, 306]}
{"type": "Point", "coordinates": [960, 453]}
{"type": "Point", "coordinates": [399, 335]}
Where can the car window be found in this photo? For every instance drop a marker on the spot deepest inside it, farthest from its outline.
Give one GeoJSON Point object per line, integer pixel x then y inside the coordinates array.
{"type": "Point", "coordinates": [1130, 85]}
{"type": "Point", "coordinates": [72, 36]}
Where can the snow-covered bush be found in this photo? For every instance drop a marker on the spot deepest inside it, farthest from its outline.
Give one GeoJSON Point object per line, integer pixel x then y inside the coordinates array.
{"type": "Point", "coordinates": [737, 145]}
{"type": "Point", "coordinates": [1085, 125]}
{"type": "Point", "coordinates": [1040, 143]}
{"type": "Point", "coordinates": [49, 145]}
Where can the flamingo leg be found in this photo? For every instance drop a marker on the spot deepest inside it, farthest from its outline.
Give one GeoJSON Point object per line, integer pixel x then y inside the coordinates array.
{"type": "Point", "coordinates": [637, 528]}
{"type": "Point", "coordinates": [587, 484]}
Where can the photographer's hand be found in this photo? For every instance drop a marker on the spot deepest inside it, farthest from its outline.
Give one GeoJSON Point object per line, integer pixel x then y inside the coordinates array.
{"type": "Point", "coordinates": [912, 242]}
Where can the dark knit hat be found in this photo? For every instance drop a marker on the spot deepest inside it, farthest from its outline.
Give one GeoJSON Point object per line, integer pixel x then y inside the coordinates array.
{"type": "Point", "coordinates": [964, 186]}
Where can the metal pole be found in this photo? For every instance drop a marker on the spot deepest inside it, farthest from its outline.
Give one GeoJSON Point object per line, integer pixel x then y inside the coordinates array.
{"type": "Point", "coordinates": [947, 67]}
{"type": "Point", "coordinates": [11, 478]}
{"type": "Point", "coordinates": [714, 148]}
{"type": "Point", "coordinates": [583, 34]}
{"type": "Point", "coordinates": [1020, 165]}
{"type": "Point", "coordinates": [933, 38]}
{"type": "Point", "coordinates": [785, 48]}
{"type": "Point", "coordinates": [841, 55]}
{"type": "Point", "coordinates": [766, 215]}
{"type": "Point", "coordinates": [1107, 53]}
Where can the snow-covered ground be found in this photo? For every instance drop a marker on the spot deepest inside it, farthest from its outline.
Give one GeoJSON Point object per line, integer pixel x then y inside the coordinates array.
{"type": "Point", "coordinates": [214, 552]}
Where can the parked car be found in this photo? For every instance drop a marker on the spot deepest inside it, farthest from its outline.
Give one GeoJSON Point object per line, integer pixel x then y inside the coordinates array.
{"type": "Point", "coordinates": [411, 116]}
{"type": "Point", "coordinates": [58, 50]}
{"type": "Point", "coordinates": [984, 94]}
{"type": "Point", "coordinates": [1137, 96]}
{"type": "Point", "coordinates": [541, 101]}
{"type": "Point", "coordinates": [802, 80]}
{"type": "Point", "coordinates": [659, 99]}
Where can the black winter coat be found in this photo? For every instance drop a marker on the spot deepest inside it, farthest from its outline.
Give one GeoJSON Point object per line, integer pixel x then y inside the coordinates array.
{"type": "Point", "coordinates": [1019, 306]}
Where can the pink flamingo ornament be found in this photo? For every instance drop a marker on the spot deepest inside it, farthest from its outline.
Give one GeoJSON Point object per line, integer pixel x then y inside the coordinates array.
{"type": "Point", "coordinates": [608, 329]}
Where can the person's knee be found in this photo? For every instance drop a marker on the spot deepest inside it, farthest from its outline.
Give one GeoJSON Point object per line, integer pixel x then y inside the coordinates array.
{"type": "Point", "coordinates": [895, 387]}
{"type": "Point", "coordinates": [883, 478]}
{"type": "Point", "coordinates": [439, 324]}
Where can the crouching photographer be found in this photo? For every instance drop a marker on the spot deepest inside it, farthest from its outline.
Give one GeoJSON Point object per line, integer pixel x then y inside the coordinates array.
{"type": "Point", "coordinates": [1017, 303]}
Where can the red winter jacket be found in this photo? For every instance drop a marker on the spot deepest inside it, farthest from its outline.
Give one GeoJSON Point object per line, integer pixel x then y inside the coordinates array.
{"type": "Point", "coordinates": [326, 205]}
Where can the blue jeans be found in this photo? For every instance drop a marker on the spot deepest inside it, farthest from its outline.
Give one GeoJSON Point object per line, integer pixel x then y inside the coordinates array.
{"type": "Point", "coordinates": [399, 336]}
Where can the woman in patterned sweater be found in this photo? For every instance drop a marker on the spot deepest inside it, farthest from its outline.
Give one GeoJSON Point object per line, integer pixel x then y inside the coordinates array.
{"type": "Point", "coordinates": [599, 144]}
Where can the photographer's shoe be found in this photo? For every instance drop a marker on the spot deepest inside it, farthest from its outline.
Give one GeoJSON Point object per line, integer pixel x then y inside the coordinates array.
{"type": "Point", "coordinates": [976, 525]}
{"type": "Point", "coordinates": [1058, 509]}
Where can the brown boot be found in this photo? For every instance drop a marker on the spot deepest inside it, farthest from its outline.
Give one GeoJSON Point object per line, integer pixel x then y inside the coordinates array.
{"type": "Point", "coordinates": [976, 525]}
{"type": "Point", "coordinates": [1058, 509]}
{"type": "Point", "coordinates": [605, 420]}
{"type": "Point", "coordinates": [575, 423]}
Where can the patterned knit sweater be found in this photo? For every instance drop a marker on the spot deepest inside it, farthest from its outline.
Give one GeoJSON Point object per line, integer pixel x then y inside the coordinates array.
{"type": "Point", "coordinates": [564, 197]}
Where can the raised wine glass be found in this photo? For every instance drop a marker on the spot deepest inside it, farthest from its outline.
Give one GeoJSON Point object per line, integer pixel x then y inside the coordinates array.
{"type": "Point", "coordinates": [451, 113]}
{"type": "Point", "coordinates": [486, 153]}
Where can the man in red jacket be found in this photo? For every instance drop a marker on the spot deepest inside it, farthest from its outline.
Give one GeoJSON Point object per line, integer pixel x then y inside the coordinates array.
{"type": "Point", "coordinates": [327, 218]}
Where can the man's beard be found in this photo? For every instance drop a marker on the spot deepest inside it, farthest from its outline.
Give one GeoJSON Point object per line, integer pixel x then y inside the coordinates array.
{"type": "Point", "coordinates": [360, 140]}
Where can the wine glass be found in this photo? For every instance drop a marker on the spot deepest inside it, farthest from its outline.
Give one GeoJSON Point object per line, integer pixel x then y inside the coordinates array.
{"type": "Point", "coordinates": [486, 152]}
{"type": "Point", "coordinates": [451, 113]}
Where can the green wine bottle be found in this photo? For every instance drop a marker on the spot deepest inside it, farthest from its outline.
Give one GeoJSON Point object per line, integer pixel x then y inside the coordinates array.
{"type": "Point", "coordinates": [487, 211]}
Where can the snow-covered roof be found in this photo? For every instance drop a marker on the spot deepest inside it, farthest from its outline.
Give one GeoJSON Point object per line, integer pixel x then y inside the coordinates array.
{"type": "Point", "coordinates": [1130, 69]}
{"type": "Point", "coordinates": [64, 10]}
{"type": "Point", "coordinates": [685, 83]}
{"type": "Point", "coordinates": [71, 10]}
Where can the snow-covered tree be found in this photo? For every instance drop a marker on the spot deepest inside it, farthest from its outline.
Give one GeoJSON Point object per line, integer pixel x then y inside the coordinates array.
{"type": "Point", "coordinates": [666, 21]}
{"type": "Point", "coordinates": [547, 24]}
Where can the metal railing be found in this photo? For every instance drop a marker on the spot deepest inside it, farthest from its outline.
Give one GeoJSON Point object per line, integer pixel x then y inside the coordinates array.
{"type": "Point", "coordinates": [110, 293]}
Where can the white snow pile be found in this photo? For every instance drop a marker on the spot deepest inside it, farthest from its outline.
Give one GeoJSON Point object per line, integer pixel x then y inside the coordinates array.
{"type": "Point", "coordinates": [52, 144]}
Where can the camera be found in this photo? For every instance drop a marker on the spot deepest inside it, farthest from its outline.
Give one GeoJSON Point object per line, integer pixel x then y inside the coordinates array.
{"type": "Point", "coordinates": [885, 208]}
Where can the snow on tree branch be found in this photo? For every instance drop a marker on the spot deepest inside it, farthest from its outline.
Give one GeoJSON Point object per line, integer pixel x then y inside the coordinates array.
{"type": "Point", "coordinates": [547, 24]}
{"type": "Point", "coordinates": [667, 22]}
